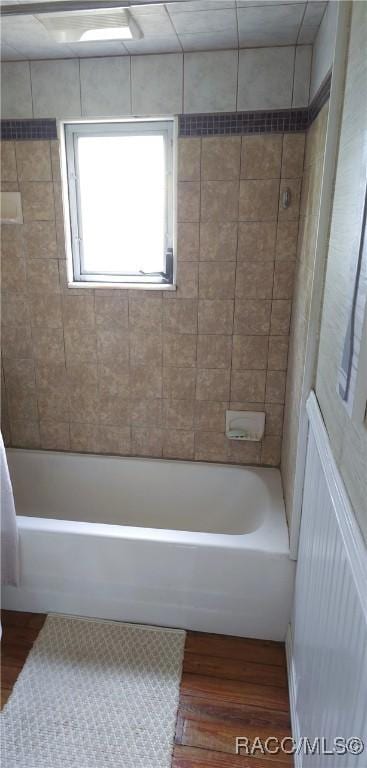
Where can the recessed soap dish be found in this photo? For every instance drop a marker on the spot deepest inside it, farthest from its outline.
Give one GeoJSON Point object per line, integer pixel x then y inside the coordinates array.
{"type": "Point", "coordinates": [245, 425]}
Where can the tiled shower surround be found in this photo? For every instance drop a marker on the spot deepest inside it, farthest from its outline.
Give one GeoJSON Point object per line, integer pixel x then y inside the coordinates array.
{"type": "Point", "coordinates": [152, 373]}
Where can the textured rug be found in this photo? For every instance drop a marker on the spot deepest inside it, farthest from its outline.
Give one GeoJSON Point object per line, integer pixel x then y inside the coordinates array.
{"type": "Point", "coordinates": [95, 694]}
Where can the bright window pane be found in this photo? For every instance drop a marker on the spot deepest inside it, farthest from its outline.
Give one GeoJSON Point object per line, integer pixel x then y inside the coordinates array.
{"type": "Point", "coordinates": [122, 199]}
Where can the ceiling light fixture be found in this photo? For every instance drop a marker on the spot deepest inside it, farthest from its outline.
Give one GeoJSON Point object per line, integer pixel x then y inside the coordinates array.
{"type": "Point", "coordinates": [87, 26]}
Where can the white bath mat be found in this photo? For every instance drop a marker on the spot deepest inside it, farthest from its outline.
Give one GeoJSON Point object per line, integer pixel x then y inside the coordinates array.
{"type": "Point", "coordinates": [95, 694]}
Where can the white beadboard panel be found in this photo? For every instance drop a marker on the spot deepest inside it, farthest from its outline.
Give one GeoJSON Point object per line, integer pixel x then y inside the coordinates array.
{"type": "Point", "coordinates": [328, 657]}
{"type": "Point", "coordinates": [324, 48]}
{"type": "Point", "coordinates": [210, 80]}
{"type": "Point", "coordinates": [265, 78]}
{"type": "Point", "coordinates": [156, 83]}
{"type": "Point", "coordinates": [56, 88]}
{"type": "Point", "coordinates": [105, 86]}
{"type": "Point", "coordinates": [16, 93]}
{"type": "Point", "coordinates": [302, 76]}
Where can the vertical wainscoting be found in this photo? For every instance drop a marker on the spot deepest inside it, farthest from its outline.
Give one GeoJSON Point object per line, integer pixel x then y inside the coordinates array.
{"type": "Point", "coordinates": [327, 653]}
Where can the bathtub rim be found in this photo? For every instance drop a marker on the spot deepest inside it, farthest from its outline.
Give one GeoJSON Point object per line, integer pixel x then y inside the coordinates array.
{"type": "Point", "coordinates": [271, 536]}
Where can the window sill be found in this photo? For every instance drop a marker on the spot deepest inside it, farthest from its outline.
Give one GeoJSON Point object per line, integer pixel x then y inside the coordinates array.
{"type": "Point", "coordinates": [123, 286]}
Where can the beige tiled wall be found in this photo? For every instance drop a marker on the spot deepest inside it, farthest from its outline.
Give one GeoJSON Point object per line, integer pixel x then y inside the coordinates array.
{"type": "Point", "coordinates": [308, 225]}
{"type": "Point", "coordinates": [151, 373]}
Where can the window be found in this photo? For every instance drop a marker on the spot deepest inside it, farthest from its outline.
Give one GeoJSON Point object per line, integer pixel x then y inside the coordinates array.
{"type": "Point", "coordinates": [120, 197]}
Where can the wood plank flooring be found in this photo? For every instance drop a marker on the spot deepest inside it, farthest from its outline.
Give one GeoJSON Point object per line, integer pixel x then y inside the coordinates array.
{"type": "Point", "coordinates": [230, 687]}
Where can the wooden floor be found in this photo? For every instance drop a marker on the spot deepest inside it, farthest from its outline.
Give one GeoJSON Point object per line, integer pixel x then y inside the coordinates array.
{"type": "Point", "coordinates": [230, 687]}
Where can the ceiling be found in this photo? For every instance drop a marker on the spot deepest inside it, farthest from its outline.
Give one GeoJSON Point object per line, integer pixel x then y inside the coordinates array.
{"type": "Point", "coordinates": [190, 25]}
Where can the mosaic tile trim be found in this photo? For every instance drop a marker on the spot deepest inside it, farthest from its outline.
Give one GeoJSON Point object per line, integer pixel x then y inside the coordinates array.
{"type": "Point", "coordinates": [214, 124]}
{"type": "Point", "coordinates": [232, 123]}
{"type": "Point", "coordinates": [277, 121]}
{"type": "Point", "coordinates": [28, 129]}
{"type": "Point", "coordinates": [319, 100]}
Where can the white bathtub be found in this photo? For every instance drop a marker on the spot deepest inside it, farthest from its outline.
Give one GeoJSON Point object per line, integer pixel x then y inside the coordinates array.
{"type": "Point", "coordinates": [179, 544]}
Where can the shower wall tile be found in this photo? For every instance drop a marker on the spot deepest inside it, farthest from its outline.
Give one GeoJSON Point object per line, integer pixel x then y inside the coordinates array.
{"type": "Point", "coordinates": [178, 444]}
{"type": "Point", "coordinates": [188, 243]}
{"type": "Point", "coordinates": [55, 436]}
{"type": "Point", "coordinates": [256, 241]}
{"type": "Point", "coordinates": [254, 280]}
{"type": "Point", "coordinates": [221, 158]}
{"type": "Point", "coordinates": [115, 440]}
{"type": "Point", "coordinates": [147, 442]}
{"type": "Point", "coordinates": [35, 166]}
{"type": "Point", "coordinates": [286, 240]}
{"type": "Point", "coordinates": [188, 159]}
{"type": "Point", "coordinates": [210, 415]}
{"type": "Point", "coordinates": [56, 88]}
{"type": "Point", "coordinates": [196, 82]}
{"type": "Point", "coordinates": [214, 351]}
{"type": "Point", "coordinates": [156, 84]}
{"type": "Point", "coordinates": [219, 200]}
{"type": "Point", "coordinates": [261, 157]}
{"type": "Point", "coordinates": [37, 201]}
{"type": "Point", "coordinates": [8, 162]}
{"type": "Point", "coordinates": [187, 281]}
{"type": "Point", "coordinates": [212, 384]}
{"type": "Point", "coordinates": [215, 316]}
{"type": "Point", "coordinates": [217, 280]}
{"type": "Point", "coordinates": [25, 434]}
{"type": "Point", "coordinates": [265, 78]}
{"type": "Point", "coordinates": [40, 240]}
{"type": "Point", "coordinates": [211, 446]}
{"type": "Point", "coordinates": [178, 414]}
{"type": "Point", "coordinates": [259, 200]}
{"type": "Point", "coordinates": [16, 341]}
{"type": "Point", "coordinates": [210, 80]}
{"type": "Point", "coordinates": [113, 410]}
{"type": "Point", "coordinates": [180, 316]}
{"type": "Point", "coordinates": [48, 344]}
{"type": "Point", "coordinates": [13, 274]}
{"type": "Point", "coordinates": [132, 372]}
{"type": "Point", "coordinates": [218, 241]}
{"type": "Point", "coordinates": [302, 75]}
{"type": "Point", "coordinates": [16, 91]}
{"type": "Point", "coordinates": [105, 86]}
{"type": "Point", "coordinates": [245, 453]}
{"type": "Point", "coordinates": [250, 352]}
{"type": "Point", "coordinates": [188, 201]}
{"type": "Point", "coordinates": [179, 350]}
{"type": "Point", "coordinates": [293, 155]}
{"type": "Point", "coordinates": [179, 383]}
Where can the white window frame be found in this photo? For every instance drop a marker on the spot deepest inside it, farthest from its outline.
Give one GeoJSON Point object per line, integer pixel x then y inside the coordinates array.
{"type": "Point", "coordinates": [70, 131]}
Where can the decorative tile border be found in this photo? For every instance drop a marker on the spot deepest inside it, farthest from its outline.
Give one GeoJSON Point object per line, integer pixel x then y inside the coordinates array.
{"type": "Point", "coordinates": [232, 123]}
{"type": "Point", "coordinates": [319, 99]}
{"type": "Point", "coordinates": [31, 130]}
{"type": "Point", "coordinates": [214, 124]}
